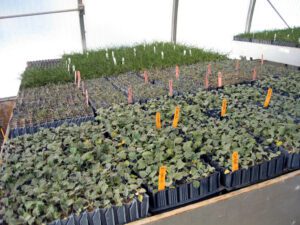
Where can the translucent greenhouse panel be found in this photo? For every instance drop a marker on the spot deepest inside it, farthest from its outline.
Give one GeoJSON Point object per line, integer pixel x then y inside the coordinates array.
{"type": "Point", "coordinates": [119, 22]}
{"type": "Point", "coordinates": [265, 17]}
{"type": "Point", "coordinates": [211, 24]}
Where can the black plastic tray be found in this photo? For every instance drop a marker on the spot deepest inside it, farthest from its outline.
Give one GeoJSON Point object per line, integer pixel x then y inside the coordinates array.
{"type": "Point", "coordinates": [111, 216]}
{"type": "Point", "coordinates": [292, 161]}
{"type": "Point", "coordinates": [182, 194]}
{"type": "Point", "coordinates": [269, 42]}
{"type": "Point", "coordinates": [33, 129]}
{"type": "Point", "coordinates": [254, 174]}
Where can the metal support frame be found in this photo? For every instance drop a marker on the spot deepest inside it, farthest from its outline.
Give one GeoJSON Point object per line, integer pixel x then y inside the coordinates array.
{"type": "Point", "coordinates": [80, 10]}
{"type": "Point", "coordinates": [250, 16]}
{"type": "Point", "coordinates": [278, 13]}
{"type": "Point", "coordinates": [81, 23]}
{"type": "Point", "coordinates": [174, 21]}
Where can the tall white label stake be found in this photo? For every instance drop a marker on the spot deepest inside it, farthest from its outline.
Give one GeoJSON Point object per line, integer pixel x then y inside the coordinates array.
{"type": "Point", "coordinates": [106, 55]}
{"type": "Point", "coordinates": [275, 37]}
{"type": "Point", "coordinates": [115, 61]}
{"type": "Point", "coordinates": [190, 51]}
{"type": "Point", "coordinates": [68, 67]}
{"type": "Point", "coordinates": [174, 47]}
{"type": "Point", "coordinates": [69, 60]}
{"type": "Point", "coordinates": [113, 54]}
{"type": "Point", "coordinates": [123, 60]}
{"type": "Point", "coordinates": [134, 52]}
{"type": "Point", "coordinates": [162, 55]}
{"type": "Point", "coordinates": [184, 52]}
{"type": "Point", "coordinates": [73, 68]}
{"type": "Point", "coordinates": [154, 49]}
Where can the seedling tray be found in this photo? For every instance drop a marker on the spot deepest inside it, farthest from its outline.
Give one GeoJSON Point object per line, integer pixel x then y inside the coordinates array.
{"type": "Point", "coordinates": [270, 42]}
{"type": "Point", "coordinates": [185, 193]}
{"type": "Point", "coordinates": [292, 161]}
{"type": "Point", "coordinates": [112, 216]}
{"type": "Point", "coordinates": [35, 128]}
{"type": "Point", "coordinates": [254, 174]}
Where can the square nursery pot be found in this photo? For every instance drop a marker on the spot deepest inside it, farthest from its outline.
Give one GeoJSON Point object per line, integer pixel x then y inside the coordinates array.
{"type": "Point", "coordinates": [112, 216]}
{"type": "Point", "coordinates": [184, 193]}
{"type": "Point", "coordinates": [254, 174]}
{"type": "Point", "coordinates": [16, 132]}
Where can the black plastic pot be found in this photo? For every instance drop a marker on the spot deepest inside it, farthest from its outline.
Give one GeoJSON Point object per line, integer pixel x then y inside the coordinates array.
{"type": "Point", "coordinates": [185, 193]}
{"type": "Point", "coordinates": [35, 128]}
{"type": "Point", "coordinates": [111, 216]}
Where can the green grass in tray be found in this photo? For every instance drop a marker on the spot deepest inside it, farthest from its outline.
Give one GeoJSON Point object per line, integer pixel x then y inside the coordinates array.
{"type": "Point", "coordinates": [287, 35]}
{"type": "Point", "coordinates": [95, 63]}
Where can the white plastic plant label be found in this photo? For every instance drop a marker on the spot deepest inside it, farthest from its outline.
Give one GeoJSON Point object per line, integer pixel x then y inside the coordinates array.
{"type": "Point", "coordinates": [106, 55]}
{"type": "Point", "coordinates": [144, 46]}
{"type": "Point", "coordinates": [190, 51]}
{"type": "Point", "coordinates": [154, 49]}
{"type": "Point", "coordinates": [68, 67]}
{"type": "Point", "coordinates": [73, 68]}
{"type": "Point", "coordinates": [275, 36]}
{"type": "Point", "coordinates": [162, 55]}
{"type": "Point", "coordinates": [115, 61]}
{"type": "Point", "coordinates": [134, 52]}
{"type": "Point", "coordinates": [123, 60]}
{"type": "Point", "coordinates": [174, 47]}
{"type": "Point", "coordinates": [184, 52]}
{"type": "Point", "coordinates": [87, 54]}
{"type": "Point", "coordinates": [69, 60]}
{"type": "Point", "coordinates": [113, 54]}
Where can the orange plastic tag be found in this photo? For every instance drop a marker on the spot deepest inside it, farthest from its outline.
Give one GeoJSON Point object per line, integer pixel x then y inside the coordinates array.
{"type": "Point", "coordinates": [162, 178]}
{"type": "Point", "coordinates": [219, 79]}
{"type": "Point", "coordinates": [235, 161]}
{"type": "Point", "coordinates": [206, 81]}
{"type": "Point", "coordinates": [209, 69]}
{"type": "Point", "coordinates": [158, 121]}
{"type": "Point", "coordinates": [130, 96]}
{"type": "Point", "coordinates": [177, 72]}
{"type": "Point", "coordinates": [224, 107]}
{"type": "Point", "coordinates": [146, 77]}
{"type": "Point", "coordinates": [171, 87]}
{"type": "Point", "coordinates": [78, 79]}
{"type": "Point", "coordinates": [254, 74]}
{"type": "Point", "coordinates": [176, 117]}
{"type": "Point", "coordinates": [268, 98]}
{"type": "Point", "coordinates": [86, 97]}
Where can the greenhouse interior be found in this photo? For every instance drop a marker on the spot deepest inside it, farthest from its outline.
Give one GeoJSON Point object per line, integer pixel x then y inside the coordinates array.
{"type": "Point", "coordinates": [150, 112]}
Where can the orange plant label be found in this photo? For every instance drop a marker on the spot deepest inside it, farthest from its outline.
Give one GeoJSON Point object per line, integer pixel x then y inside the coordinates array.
{"type": "Point", "coordinates": [268, 98]}
{"type": "Point", "coordinates": [177, 72]}
{"type": "Point", "coordinates": [146, 77]}
{"type": "Point", "coordinates": [208, 72]}
{"type": "Point", "coordinates": [206, 83]}
{"type": "Point", "coordinates": [130, 95]}
{"type": "Point", "coordinates": [224, 107]}
{"type": "Point", "coordinates": [78, 79]}
{"type": "Point", "coordinates": [235, 161]}
{"type": "Point", "coordinates": [219, 79]}
{"type": "Point", "coordinates": [158, 121]}
{"type": "Point", "coordinates": [171, 87]}
{"type": "Point", "coordinates": [162, 178]}
{"type": "Point", "coordinates": [176, 117]}
{"type": "Point", "coordinates": [86, 97]}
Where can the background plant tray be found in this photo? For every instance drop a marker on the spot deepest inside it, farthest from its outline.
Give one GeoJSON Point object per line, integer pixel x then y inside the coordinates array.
{"type": "Point", "coordinates": [279, 43]}
{"type": "Point", "coordinates": [292, 161]}
{"type": "Point", "coordinates": [33, 129]}
{"type": "Point", "coordinates": [254, 174]}
{"type": "Point", "coordinates": [111, 216]}
{"type": "Point", "coordinates": [183, 194]}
